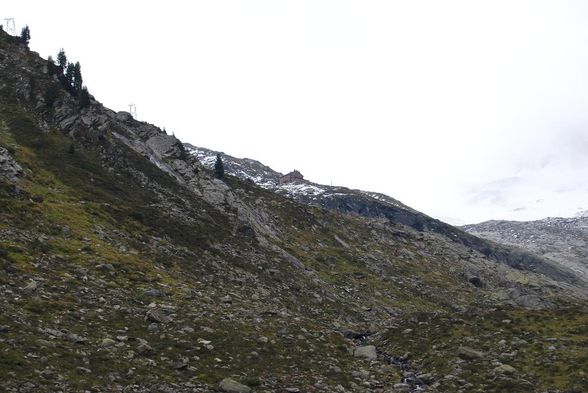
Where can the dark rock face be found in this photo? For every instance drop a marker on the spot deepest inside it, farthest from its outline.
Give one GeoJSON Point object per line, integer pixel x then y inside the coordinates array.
{"type": "Point", "coordinates": [519, 259]}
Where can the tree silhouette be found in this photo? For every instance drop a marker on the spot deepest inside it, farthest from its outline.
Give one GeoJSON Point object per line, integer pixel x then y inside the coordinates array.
{"type": "Point", "coordinates": [62, 59]}
{"type": "Point", "coordinates": [77, 77]}
{"type": "Point", "coordinates": [219, 168]}
{"type": "Point", "coordinates": [69, 74]}
{"type": "Point", "coordinates": [25, 34]}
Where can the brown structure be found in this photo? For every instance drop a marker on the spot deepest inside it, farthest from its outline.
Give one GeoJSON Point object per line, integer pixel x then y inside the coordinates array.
{"type": "Point", "coordinates": [291, 177]}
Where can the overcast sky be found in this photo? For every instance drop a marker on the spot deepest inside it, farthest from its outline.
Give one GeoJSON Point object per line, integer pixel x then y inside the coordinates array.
{"type": "Point", "coordinates": [466, 110]}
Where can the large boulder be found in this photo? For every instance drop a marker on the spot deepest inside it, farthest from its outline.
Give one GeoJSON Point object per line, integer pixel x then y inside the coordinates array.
{"type": "Point", "coordinates": [505, 369]}
{"type": "Point", "coordinates": [124, 117]}
{"type": "Point", "coordinates": [229, 385]}
{"type": "Point", "coordinates": [366, 352]}
{"type": "Point", "coordinates": [158, 316]}
{"type": "Point", "coordinates": [165, 145]}
{"type": "Point", "coordinates": [469, 353]}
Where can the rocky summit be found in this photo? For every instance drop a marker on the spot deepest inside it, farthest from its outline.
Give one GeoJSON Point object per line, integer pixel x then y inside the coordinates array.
{"type": "Point", "coordinates": [126, 266]}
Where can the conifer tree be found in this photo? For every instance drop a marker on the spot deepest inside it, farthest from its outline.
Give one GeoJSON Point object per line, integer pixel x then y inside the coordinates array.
{"type": "Point", "coordinates": [25, 34]}
{"type": "Point", "coordinates": [77, 77]}
{"type": "Point", "coordinates": [219, 169]}
{"type": "Point", "coordinates": [69, 73]}
{"type": "Point", "coordinates": [62, 59]}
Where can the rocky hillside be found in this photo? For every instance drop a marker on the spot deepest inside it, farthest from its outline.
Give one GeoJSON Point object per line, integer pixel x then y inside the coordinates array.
{"type": "Point", "coordinates": [304, 191]}
{"type": "Point", "coordinates": [125, 266]}
{"type": "Point", "coordinates": [561, 240]}
{"type": "Point", "coordinates": [379, 206]}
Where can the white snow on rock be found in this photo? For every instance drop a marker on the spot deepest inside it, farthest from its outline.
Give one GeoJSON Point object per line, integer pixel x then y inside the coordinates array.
{"type": "Point", "coordinates": [267, 178]}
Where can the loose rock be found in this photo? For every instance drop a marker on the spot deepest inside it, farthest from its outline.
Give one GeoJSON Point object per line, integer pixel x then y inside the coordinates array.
{"type": "Point", "coordinates": [157, 315]}
{"type": "Point", "coordinates": [229, 385]}
{"type": "Point", "coordinates": [505, 369]}
{"type": "Point", "coordinates": [469, 353]}
{"type": "Point", "coordinates": [366, 352]}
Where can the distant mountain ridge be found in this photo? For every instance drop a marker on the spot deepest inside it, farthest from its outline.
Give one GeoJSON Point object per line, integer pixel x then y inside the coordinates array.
{"type": "Point", "coordinates": [562, 240]}
{"type": "Point", "coordinates": [264, 176]}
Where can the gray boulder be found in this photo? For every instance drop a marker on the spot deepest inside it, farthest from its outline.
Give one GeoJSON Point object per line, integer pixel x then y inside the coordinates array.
{"type": "Point", "coordinates": [229, 385]}
{"type": "Point", "coordinates": [158, 316]}
{"type": "Point", "coordinates": [366, 352]}
{"type": "Point", "coordinates": [469, 353]}
{"type": "Point", "coordinates": [505, 369]}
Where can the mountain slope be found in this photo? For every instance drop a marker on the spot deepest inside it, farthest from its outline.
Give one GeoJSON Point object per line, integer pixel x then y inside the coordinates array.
{"type": "Point", "coordinates": [562, 240]}
{"type": "Point", "coordinates": [125, 266]}
{"type": "Point", "coordinates": [266, 177]}
{"type": "Point", "coordinates": [379, 206]}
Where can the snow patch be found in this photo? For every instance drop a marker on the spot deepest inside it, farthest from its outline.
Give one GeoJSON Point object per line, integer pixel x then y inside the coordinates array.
{"type": "Point", "coordinates": [301, 188]}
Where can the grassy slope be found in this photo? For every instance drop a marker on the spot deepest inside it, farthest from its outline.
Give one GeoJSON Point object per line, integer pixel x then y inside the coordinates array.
{"type": "Point", "coordinates": [87, 218]}
{"type": "Point", "coordinates": [548, 348]}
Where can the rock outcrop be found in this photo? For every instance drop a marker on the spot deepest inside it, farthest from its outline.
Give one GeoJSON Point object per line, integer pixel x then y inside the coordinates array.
{"type": "Point", "coordinates": [10, 170]}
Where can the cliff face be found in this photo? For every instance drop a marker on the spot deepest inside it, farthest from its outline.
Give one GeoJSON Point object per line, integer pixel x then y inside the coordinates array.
{"type": "Point", "coordinates": [125, 266]}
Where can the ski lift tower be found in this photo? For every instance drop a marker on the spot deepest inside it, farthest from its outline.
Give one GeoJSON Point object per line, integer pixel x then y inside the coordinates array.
{"type": "Point", "coordinates": [133, 110]}
{"type": "Point", "coordinates": [10, 26]}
